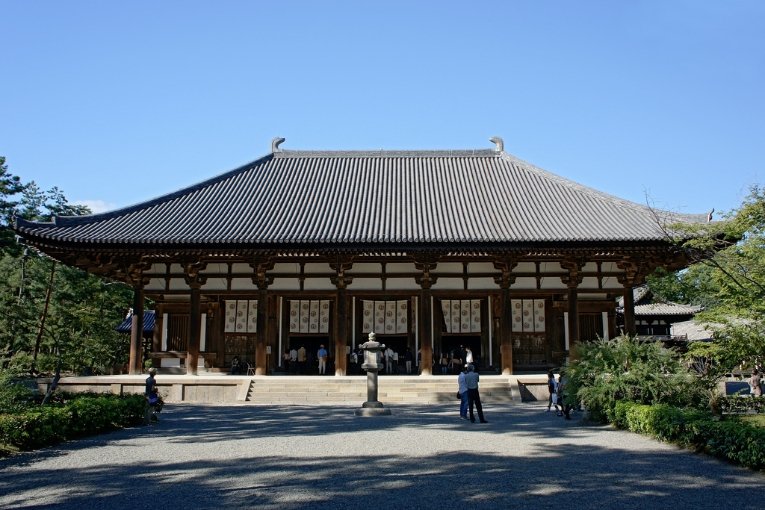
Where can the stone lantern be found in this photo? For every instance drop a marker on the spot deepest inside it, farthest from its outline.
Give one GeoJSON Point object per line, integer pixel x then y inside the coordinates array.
{"type": "Point", "coordinates": [372, 407]}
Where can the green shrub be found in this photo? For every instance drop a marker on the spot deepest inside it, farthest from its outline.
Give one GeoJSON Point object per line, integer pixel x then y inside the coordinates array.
{"type": "Point", "coordinates": [605, 372]}
{"type": "Point", "coordinates": [70, 417]}
{"type": "Point", "coordinates": [731, 439]}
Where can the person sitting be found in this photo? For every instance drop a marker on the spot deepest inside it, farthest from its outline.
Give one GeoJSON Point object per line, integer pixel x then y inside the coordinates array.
{"type": "Point", "coordinates": [236, 366]}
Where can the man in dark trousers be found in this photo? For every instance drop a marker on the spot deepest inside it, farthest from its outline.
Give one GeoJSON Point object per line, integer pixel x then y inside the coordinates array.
{"type": "Point", "coordinates": [471, 379]}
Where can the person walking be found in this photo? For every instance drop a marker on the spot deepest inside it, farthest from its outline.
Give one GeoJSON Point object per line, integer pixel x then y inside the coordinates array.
{"type": "Point", "coordinates": [552, 388]}
{"type": "Point", "coordinates": [408, 360]}
{"type": "Point", "coordinates": [293, 361]}
{"type": "Point", "coordinates": [474, 398]}
{"type": "Point", "coordinates": [462, 391]}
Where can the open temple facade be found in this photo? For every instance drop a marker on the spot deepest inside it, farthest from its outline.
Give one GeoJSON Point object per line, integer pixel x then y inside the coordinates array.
{"type": "Point", "coordinates": [430, 250]}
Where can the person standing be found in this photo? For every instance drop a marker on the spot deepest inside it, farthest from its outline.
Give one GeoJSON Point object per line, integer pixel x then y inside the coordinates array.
{"type": "Point", "coordinates": [322, 355]}
{"type": "Point", "coordinates": [388, 360]}
{"type": "Point", "coordinates": [293, 361]}
{"type": "Point", "coordinates": [149, 393]}
{"type": "Point", "coordinates": [408, 360]}
{"type": "Point", "coordinates": [462, 390]}
{"type": "Point", "coordinates": [468, 356]}
{"type": "Point", "coordinates": [301, 357]}
{"type": "Point", "coordinates": [474, 398]}
{"type": "Point", "coordinates": [755, 383]}
{"type": "Point", "coordinates": [286, 360]}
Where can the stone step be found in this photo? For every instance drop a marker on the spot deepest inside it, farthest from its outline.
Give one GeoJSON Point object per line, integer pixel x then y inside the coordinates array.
{"type": "Point", "coordinates": [316, 390]}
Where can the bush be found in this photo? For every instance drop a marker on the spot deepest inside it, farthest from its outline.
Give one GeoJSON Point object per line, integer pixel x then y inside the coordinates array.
{"type": "Point", "coordinates": [731, 439]}
{"type": "Point", "coordinates": [605, 372]}
{"type": "Point", "coordinates": [77, 416]}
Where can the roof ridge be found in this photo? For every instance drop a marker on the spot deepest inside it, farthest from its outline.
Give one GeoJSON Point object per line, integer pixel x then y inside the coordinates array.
{"type": "Point", "coordinates": [386, 153]}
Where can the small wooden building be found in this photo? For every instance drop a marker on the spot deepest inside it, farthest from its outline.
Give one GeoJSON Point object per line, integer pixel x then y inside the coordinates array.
{"type": "Point", "coordinates": [429, 249]}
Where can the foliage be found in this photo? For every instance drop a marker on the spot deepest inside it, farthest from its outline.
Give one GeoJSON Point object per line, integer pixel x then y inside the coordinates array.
{"type": "Point", "coordinates": [727, 277]}
{"type": "Point", "coordinates": [732, 439]}
{"type": "Point", "coordinates": [605, 372]}
{"type": "Point", "coordinates": [14, 395]}
{"type": "Point", "coordinates": [75, 326]}
{"type": "Point", "coordinates": [75, 416]}
{"type": "Point", "coordinates": [738, 405]}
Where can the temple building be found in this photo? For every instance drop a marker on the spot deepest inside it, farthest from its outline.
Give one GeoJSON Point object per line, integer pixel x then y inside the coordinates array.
{"type": "Point", "coordinates": [429, 249]}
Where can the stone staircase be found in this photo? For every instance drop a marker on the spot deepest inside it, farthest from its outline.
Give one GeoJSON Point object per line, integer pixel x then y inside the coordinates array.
{"type": "Point", "coordinates": [391, 390]}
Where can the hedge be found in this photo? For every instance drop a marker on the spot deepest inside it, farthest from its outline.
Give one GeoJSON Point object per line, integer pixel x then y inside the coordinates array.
{"type": "Point", "coordinates": [83, 415]}
{"type": "Point", "coordinates": [730, 439]}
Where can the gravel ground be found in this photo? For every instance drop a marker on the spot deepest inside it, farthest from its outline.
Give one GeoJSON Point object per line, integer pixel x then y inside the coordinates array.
{"type": "Point", "coordinates": [247, 456]}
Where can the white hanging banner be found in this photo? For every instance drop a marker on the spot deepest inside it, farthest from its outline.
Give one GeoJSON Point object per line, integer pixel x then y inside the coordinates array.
{"type": "Point", "coordinates": [294, 316]}
{"type": "Point", "coordinates": [401, 313]}
{"type": "Point", "coordinates": [305, 312]}
{"type": "Point", "coordinates": [367, 316]}
{"type": "Point", "coordinates": [313, 323]}
{"type": "Point", "coordinates": [230, 326]}
{"type": "Point", "coordinates": [539, 315]}
{"type": "Point", "coordinates": [475, 316]}
{"type": "Point", "coordinates": [324, 316]}
{"type": "Point", "coordinates": [379, 317]}
{"type": "Point", "coordinates": [517, 306]}
{"type": "Point", "coordinates": [528, 315]}
{"type": "Point", "coordinates": [252, 317]}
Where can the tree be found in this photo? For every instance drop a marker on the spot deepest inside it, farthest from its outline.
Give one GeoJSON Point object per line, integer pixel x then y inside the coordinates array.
{"type": "Point", "coordinates": [53, 313]}
{"type": "Point", "coordinates": [728, 279]}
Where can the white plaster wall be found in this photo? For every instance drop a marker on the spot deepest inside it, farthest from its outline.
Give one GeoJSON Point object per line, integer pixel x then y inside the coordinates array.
{"type": "Point", "coordinates": [524, 283]}
{"type": "Point", "coordinates": [365, 284]}
{"type": "Point", "coordinates": [156, 284]}
{"type": "Point", "coordinates": [318, 284]}
{"type": "Point", "coordinates": [285, 284]}
{"type": "Point", "coordinates": [449, 284]}
{"type": "Point", "coordinates": [525, 267]}
{"type": "Point", "coordinates": [215, 284]}
{"type": "Point", "coordinates": [178, 284]}
{"type": "Point", "coordinates": [482, 267]}
{"type": "Point", "coordinates": [609, 267]}
{"type": "Point", "coordinates": [317, 267]}
{"type": "Point", "coordinates": [243, 284]}
{"type": "Point", "coordinates": [589, 282]}
{"type": "Point", "coordinates": [366, 267]}
{"type": "Point", "coordinates": [552, 283]}
{"type": "Point", "coordinates": [215, 268]}
{"type": "Point", "coordinates": [286, 268]}
{"type": "Point", "coordinates": [400, 267]}
{"type": "Point", "coordinates": [448, 267]}
{"type": "Point", "coordinates": [485, 283]}
{"type": "Point", "coordinates": [590, 266]}
{"type": "Point", "coordinates": [176, 268]}
{"type": "Point", "coordinates": [401, 284]}
{"type": "Point", "coordinates": [241, 268]}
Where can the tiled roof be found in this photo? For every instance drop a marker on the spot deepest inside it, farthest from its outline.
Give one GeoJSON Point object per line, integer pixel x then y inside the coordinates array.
{"type": "Point", "coordinates": [692, 330]}
{"type": "Point", "coordinates": [667, 309]}
{"type": "Point", "coordinates": [148, 323]}
{"type": "Point", "coordinates": [388, 199]}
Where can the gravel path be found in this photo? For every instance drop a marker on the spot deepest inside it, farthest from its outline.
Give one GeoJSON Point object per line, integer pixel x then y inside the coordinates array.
{"type": "Point", "coordinates": [298, 457]}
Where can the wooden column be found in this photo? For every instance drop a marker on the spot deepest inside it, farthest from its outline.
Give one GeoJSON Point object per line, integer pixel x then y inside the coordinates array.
{"type": "Point", "coordinates": [195, 317]}
{"type": "Point", "coordinates": [195, 280]}
{"type": "Point", "coordinates": [635, 272]}
{"type": "Point", "coordinates": [340, 316]}
{"type": "Point", "coordinates": [261, 337]}
{"type": "Point", "coordinates": [572, 280]}
{"type": "Point", "coordinates": [135, 277]}
{"type": "Point", "coordinates": [261, 266]}
{"type": "Point", "coordinates": [629, 312]}
{"type": "Point", "coordinates": [136, 332]}
{"type": "Point", "coordinates": [425, 322]}
{"type": "Point", "coordinates": [505, 280]}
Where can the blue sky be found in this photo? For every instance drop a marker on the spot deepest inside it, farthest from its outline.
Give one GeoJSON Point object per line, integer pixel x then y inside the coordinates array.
{"type": "Point", "coordinates": [658, 102]}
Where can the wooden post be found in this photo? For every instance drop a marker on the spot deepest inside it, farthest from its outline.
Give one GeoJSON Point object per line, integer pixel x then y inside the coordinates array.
{"type": "Point", "coordinates": [573, 279]}
{"type": "Point", "coordinates": [135, 365]}
{"type": "Point", "coordinates": [340, 316]}
{"type": "Point", "coordinates": [629, 312]}
{"type": "Point", "coordinates": [195, 280]}
{"type": "Point", "coordinates": [261, 353]}
{"type": "Point", "coordinates": [506, 342]}
{"type": "Point", "coordinates": [426, 281]}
